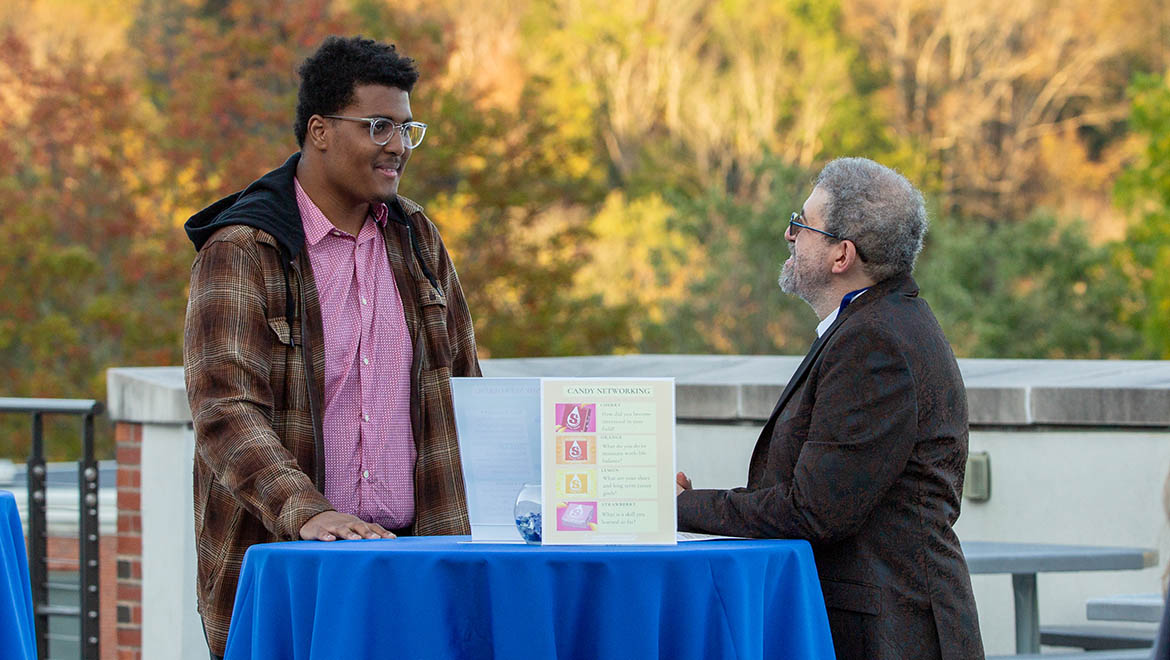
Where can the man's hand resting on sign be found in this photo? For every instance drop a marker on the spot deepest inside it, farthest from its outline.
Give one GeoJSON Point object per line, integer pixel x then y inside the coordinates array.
{"type": "Point", "coordinates": [681, 483]}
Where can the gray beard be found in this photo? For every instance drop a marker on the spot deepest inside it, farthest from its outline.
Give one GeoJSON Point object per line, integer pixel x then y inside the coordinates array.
{"type": "Point", "coordinates": [805, 287]}
{"type": "Point", "coordinates": [787, 279]}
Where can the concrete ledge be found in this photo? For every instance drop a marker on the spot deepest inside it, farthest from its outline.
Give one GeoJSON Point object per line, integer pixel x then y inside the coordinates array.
{"type": "Point", "coordinates": [148, 395]}
{"type": "Point", "coordinates": [1121, 406]}
{"type": "Point", "coordinates": [730, 388]}
{"type": "Point", "coordinates": [757, 401]}
{"type": "Point", "coordinates": [998, 405]}
{"type": "Point", "coordinates": [714, 402]}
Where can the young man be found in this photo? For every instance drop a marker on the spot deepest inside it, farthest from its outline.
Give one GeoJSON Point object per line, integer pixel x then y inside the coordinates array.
{"type": "Point", "coordinates": [865, 452]}
{"type": "Point", "coordinates": [324, 324]}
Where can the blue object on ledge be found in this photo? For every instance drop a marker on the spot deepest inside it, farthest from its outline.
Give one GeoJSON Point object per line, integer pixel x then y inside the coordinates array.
{"type": "Point", "coordinates": [17, 627]}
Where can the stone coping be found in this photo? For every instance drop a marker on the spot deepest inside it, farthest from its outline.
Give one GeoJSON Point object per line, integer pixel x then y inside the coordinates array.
{"type": "Point", "coordinates": [730, 388]}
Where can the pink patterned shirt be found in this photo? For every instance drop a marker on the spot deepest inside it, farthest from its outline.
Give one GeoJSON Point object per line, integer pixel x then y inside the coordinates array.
{"type": "Point", "coordinates": [369, 445]}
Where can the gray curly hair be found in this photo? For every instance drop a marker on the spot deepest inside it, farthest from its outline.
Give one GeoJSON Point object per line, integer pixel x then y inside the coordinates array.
{"type": "Point", "coordinates": [879, 210]}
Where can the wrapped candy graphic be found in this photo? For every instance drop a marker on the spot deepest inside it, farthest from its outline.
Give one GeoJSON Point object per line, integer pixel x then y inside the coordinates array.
{"type": "Point", "coordinates": [576, 417]}
{"type": "Point", "coordinates": [580, 449]}
{"type": "Point", "coordinates": [576, 516]}
{"type": "Point", "coordinates": [575, 451]}
{"type": "Point", "coordinates": [575, 483]}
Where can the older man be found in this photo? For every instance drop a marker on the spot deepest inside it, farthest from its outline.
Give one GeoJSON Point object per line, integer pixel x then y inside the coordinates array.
{"type": "Point", "coordinates": [864, 453]}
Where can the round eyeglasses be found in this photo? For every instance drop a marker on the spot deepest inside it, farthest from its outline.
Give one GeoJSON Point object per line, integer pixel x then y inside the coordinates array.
{"type": "Point", "coordinates": [382, 130]}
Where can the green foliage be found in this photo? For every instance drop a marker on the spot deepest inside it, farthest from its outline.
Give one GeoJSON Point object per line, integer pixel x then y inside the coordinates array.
{"type": "Point", "coordinates": [735, 304]}
{"type": "Point", "coordinates": [89, 273]}
{"type": "Point", "coordinates": [1144, 188]}
{"type": "Point", "coordinates": [1029, 289]}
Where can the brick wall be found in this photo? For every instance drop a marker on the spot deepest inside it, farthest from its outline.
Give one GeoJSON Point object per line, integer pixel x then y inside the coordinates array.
{"type": "Point", "coordinates": [128, 441]}
{"type": "Point", "coordinates": [61, 555]}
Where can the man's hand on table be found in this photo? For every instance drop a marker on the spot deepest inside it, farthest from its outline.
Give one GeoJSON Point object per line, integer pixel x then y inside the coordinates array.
{"type": "Point", "coordinates": [681, 483]}
{"type": "Point", "coordinates": [333, 525]}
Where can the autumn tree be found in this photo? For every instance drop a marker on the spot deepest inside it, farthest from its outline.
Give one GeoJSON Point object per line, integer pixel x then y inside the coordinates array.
{"type": "Point", "coordinates": [1012, 104]}
{"type": "Point", "coordinates": [88, 266]}
{"type": "Point", "coordinates": [608, 179]}
{"type": "Point", "coordinates": [699, 92]}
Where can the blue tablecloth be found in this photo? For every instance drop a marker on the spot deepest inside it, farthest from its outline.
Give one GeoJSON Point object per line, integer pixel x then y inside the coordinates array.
{"type": "Point", "coordinates": [17, 631]}
{"type": "Point", "coordinates": [440, 597]}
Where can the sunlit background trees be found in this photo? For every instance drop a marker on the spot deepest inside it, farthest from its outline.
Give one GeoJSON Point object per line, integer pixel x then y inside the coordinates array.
{"type": "Point", "coordinates": [611, 177]}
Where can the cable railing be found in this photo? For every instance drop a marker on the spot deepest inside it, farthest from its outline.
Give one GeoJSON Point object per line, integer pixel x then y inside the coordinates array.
{"type": "Point", "coordinates": [88, 564]}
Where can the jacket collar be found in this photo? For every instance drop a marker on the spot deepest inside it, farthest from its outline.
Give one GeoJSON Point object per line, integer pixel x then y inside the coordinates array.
{"type": "Point", "coordinates": [270, 204]}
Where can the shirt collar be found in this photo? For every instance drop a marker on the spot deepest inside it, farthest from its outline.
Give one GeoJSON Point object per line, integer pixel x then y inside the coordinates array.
{"type": "Point", "coordinates": [317, 226]}
{"type": "Point", "coordinates": [845, 300]}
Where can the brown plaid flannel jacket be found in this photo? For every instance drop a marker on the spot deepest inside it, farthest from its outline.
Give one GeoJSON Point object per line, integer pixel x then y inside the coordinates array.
{"type": "Point", "coordinates": [259, 468]}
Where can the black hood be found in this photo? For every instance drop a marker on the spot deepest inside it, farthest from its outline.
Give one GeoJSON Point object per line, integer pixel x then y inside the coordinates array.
{"type": "Point", "coordinates": [268, 204]}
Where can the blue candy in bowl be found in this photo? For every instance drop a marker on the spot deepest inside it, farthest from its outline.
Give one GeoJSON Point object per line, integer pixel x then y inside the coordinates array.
{"type": "Point", "coordinates": [527, 512]}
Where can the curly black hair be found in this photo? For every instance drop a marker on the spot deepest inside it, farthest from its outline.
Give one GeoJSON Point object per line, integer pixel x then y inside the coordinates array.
{"type": "Point", "coordinates": [329, 76]}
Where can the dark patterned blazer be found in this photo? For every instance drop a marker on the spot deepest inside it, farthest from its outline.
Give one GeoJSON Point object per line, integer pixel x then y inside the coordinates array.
{"type": "Point", "coordinates": [863, 456]}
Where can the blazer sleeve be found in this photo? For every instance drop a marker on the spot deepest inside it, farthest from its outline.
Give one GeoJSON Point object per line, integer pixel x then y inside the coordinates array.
{"type": "Point", "coordinates": [862, 430]}
{"type": "Point", "coordinates": [227, 351]}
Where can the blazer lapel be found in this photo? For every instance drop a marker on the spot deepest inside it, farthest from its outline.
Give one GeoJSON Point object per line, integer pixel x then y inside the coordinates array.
{"type": "Point", "coordinates": [765, 439]}
{"type": "Point", "coordinates": [906, 285]}
{"type": "Point", "coordinates": [806, 364]}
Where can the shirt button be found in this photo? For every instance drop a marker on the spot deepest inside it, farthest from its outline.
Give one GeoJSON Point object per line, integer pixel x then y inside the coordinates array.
{"type": "Point", "coordinates": [363, 300]}
{"type": "Point", "coordinates": [366, 417]}
{"type": "Point", "coordinates": [365, 360]}
{"type": "Point", "coordinates": [366, 474]}
{"type": "Point", "coordinates": [335, 232]}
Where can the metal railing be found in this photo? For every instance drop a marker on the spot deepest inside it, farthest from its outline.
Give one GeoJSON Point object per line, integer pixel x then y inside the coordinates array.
{"type": "Point", "coordinates": [89, 561]}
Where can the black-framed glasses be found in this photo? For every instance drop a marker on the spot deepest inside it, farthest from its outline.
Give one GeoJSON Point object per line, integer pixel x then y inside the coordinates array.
{"type": "Point", "coordinates": [794, 227]}
{"type": "Point", "coordinates": [382, 130]}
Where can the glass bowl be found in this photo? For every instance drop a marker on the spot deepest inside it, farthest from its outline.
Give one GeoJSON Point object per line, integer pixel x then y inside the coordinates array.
{"type": "Point", "coordinates": [527, 513]}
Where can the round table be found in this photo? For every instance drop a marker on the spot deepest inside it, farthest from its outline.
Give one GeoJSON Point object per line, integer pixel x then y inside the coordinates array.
{"type": "Point", "coordinates": [444, 597]}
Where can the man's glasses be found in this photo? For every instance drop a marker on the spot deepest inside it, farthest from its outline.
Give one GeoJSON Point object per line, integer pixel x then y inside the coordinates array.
{"type": "Point", "coordinates": [382, 130]}
{"type": "Point", "coordinates": [794, 227]}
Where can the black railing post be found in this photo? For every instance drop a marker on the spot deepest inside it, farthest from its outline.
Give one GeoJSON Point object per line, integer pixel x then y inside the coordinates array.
{"type": "Point", "coordinates": [89, 568]}
{"type": "Point", "coordinates": [38, 564]}
{"type": "Point", "coordinates": [88, 552]}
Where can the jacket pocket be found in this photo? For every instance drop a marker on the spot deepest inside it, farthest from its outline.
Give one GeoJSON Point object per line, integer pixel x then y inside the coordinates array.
{"type": "Point", "coordinates": [286, 377]}
{"type": "Point", "coordinates": [279, 325]}
{"type": "Point", "coordinates": [852, 596]}
{"type": "Point", "coordinates": [432, 306]}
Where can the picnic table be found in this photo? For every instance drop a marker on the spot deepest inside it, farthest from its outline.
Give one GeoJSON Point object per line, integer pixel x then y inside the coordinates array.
{"type": "Point", "coordinates": [1023, 561]}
